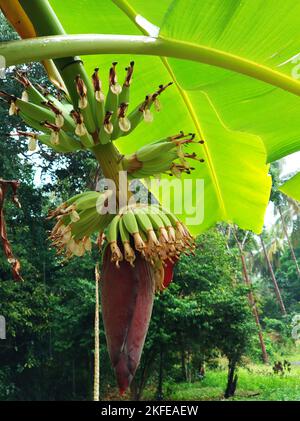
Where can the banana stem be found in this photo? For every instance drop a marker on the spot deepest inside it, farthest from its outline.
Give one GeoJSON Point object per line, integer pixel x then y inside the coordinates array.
{"type": "Point", "coordinates": [108, 157]}
{"type": "Point", "coordinates": [46, 23]}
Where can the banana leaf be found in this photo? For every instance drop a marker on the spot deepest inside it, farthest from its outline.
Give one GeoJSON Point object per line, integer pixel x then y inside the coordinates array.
{"type": "Point", "coordinates": [292, 187]}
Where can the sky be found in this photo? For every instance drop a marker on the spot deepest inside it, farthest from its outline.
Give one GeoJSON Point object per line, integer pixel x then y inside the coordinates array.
{"type": "Point", "coordinates": [291, 164]}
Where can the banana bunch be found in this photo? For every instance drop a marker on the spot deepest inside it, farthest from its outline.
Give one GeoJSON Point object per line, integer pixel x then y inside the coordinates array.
{"type": "Point", "coordinates": [91, 119]}
{"type": "Point", "coordinates": [77, 219]}
{"type": "Point", "coordinates": [151, 231]}
{"type": "Point", "coordinates": [49, 117]}
{"type": "Point", "coordinates": [158, 157]}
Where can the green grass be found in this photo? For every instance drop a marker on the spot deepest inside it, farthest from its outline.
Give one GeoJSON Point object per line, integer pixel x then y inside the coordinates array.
{"type": "Point", "coordinates": [255, 383]}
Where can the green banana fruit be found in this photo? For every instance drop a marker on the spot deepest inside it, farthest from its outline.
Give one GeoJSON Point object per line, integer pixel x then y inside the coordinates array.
{"type": "Point", "coordinates": [63, 105]}
{"type": "Point", "coordinates": [80, 129]}
{"type": "Point", "coordinates": [94, 224]}
{"type": "Point", "coordinates": [143, 219]}
{"type": "Point", "coordinates": [85, 107]}
{"type": "Point", "coordinates": [137, 115]}
{"type": "Point", "coordinates": [123, 124]}
{"type": "Point", "coordinates": [74, 199]}
{"type": "Point", "coordinates": [168, 225]}
{"type": "Point", "coordinates": [129, 254]}
{"type": "Point", "coordinates": [155, 219]}
{"type": "Point", "coordinates": [84, 216]}
{"type": "Point", "coordinates": [125, 94]}
{"type": "Point", "coordinates": [99, 98]}
{"type": "Point", "coordinates": [106, 128]}
{"type": "Point", "coordinates": [112, 238]}
{"type": "Point", "coordinates": [130, 222]}
{"type": "Point", "coordinates": [61, 115]}
{"type": "Point", "coordinates": [112, 98]}
{"type": "Point", "coordinates": [147, 227]}
{"type": "Point", "coordinates": [151, 152]}
{"type": "Point", "coordinates": [132, 227]}
{"type": "Point", "coordinates": [87, 200]}
{"type": "Point", "coordinates": [36, 125]}
{"type": "Point", "coordinates": [33, 94]}
{"type": "Point", "coordinates": [155, 151]}
{"type": "Point", "coordinates": [46, 140]}
{"type": "Point", "coordinates": [36, 112]}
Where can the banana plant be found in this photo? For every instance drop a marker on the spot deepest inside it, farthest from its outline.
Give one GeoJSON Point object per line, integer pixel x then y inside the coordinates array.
{"type": "Point", "coordinates": [209, 93]}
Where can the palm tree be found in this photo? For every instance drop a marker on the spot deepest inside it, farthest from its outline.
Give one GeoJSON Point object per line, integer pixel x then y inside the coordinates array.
{"type": "Point", "coordinates": [273, 277]}
{"type": "Point", "coordinates": [251, 297]}
{"type": "Point", "coordinates": [283, 215]}
{"type": "Point", "coordinates": [287, 208]}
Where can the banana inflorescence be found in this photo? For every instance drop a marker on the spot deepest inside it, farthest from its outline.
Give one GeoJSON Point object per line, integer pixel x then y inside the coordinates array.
{"type": "Point", "coordinates": [77, 219]}
{"type": "Point", "coordinates": [150, 231]}
{"type": "Point", "coordinates": [92, 118]}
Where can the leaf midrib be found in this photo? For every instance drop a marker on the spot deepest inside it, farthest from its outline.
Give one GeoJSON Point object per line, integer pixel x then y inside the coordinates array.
{"type": "Point", "coordinates": [130, 12]}
{"type": "Point", "coordinates": [185, 97]}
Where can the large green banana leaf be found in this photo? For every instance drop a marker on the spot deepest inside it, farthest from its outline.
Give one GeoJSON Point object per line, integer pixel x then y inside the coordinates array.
{"type": "Point", "coordinates": [292, 187]}
{"type": "Point", "coordinates": [245, 122]}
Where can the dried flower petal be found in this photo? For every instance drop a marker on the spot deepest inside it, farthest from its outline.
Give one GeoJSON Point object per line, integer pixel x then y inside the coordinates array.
{"type": "Point", "coordinates": [148, 116]}
{"type": "Point", "coordinates": [99, 95]}
{"type": "Point", "coordinates": [124, 124]}
{"type": "Point", "coordinates": [87, 244]}
{"type": "Point", "coordinates": [74, 216]}
{"type": "Point", "coordinates": [108, 126]}
{"type": "Point", "coordinates": [59, 120]}
{"type": "Point", "coordinates": [82, 92]}
{"type": "Point", "coordinates": [54, 137]}
{"type": "Point", "coordinates": [129, 253]}
{"type": "Point", "coordinates": [25, 96]}
{"type": "Point", "coordinates": [80, 130]}
{"type": "Point", "coordinates": [116, 88]}
{"type": "Point", "coordinates": [13, 109]}
{"type": "Point", "coordinates": [32, 145]}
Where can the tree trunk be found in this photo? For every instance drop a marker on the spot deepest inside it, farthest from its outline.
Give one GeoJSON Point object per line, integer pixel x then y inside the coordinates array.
{"type": "Point", "coordinates": [97, 342]}
{"type": "Point", "coordinates": [273, 277]}
{"type": "Point", "coordinates": [73, 379]}
{"type": "Point", "coordinates": [183, 365]}
{"type": "Point", "coordinates": [252, 300]}
{"type": "Point", "coordinates": [284, 227]}
{"type": "Point", "coordinates": [159, 393]}
{"type": "Point", "coordinates": [232, 379]}
{"type": "Point", "coordinates": [189, 367]}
